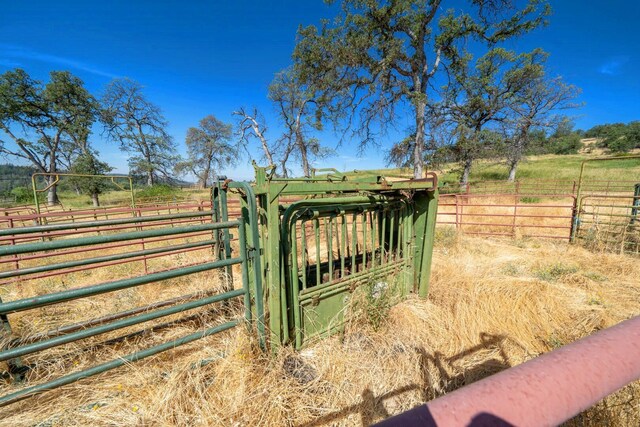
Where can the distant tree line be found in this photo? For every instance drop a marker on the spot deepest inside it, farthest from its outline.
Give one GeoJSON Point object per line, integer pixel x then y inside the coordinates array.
{"type": "Point", "coordinates": [617, 137]}
{"type": "Point", "coordinates": [447, 65]}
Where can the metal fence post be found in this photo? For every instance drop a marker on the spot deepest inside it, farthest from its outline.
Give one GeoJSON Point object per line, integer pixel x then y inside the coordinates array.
{"type": "Point", "coordinates": [635, 203]}
{"type": "Point", "coordinates": [426, 203]}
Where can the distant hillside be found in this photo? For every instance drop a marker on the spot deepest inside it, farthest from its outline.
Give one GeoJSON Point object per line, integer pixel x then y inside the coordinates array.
{"type": "Point", "coordinates": [12, 176]}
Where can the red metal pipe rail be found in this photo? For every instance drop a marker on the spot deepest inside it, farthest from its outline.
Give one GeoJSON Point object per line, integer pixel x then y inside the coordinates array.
{"type": "Point", "coordinates": [508, 212]}
{"type": "Point", "coordinates": [545, 391]}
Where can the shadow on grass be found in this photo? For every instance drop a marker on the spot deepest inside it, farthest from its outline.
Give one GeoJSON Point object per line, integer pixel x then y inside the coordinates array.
{"type": "Point", "coordinates": [372, 408]}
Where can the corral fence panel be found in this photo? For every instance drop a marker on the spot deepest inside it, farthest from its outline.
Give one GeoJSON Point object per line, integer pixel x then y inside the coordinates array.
{"type": "Point", "coordinates": [609, 221]}
{"type": "Point", "coordinates": [88, 291]}
{"type": "Point", "coordinates": [508, 215]}
{"type": "Point", "coordinates": [164, 255]}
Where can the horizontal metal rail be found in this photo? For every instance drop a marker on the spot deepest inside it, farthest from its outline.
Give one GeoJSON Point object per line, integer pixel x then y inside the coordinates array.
{"type": "Point", "coordinates": [18, 347]}
{"type": "Point", "coordinates": [490, 214]}
{"type": "Point", "coordinates": [116, 363]}
{"type": "Point", "coordinates": [103, 319]}
{"type": "Point", "coordinates": [109, 327]}
{"type": "Point", "coordinates": [102, 223]}
{"type": "Point", "coordinates": [97, 240]}
{"type": "Point", "coordinates": [103, 259]}
{"type": "Point", "coordinates": [72, 294]}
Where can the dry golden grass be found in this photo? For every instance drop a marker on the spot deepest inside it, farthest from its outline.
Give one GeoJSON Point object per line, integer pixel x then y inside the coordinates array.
{"type": "Point", "coordinates": [493, 304]}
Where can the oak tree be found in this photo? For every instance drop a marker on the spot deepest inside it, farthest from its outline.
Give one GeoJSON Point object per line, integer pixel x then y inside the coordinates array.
{"type": "Point", "coordinates": [209, 149]}
{"type": "Point", "coordinates": [379, 56]}
{"type": "Point", "coordinates": [43, 121]}
{"type": "Point", "coordinates": [140, 128]}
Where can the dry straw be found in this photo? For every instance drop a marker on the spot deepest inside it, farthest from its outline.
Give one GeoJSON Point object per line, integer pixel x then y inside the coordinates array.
{"type": "Point", "coordinates": [493, 304]}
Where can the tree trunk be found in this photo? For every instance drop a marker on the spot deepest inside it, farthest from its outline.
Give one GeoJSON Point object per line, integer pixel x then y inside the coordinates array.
{"type": "Point", "coordinates": [418, 149]}
{"type": "Point", "coordinates": [466, 171]}
{"type": "Point", "coordinates": [150, 179]}
{"type": "Point", "coordinates": [306, 169]}
{"type": "Point", "coordinates": [518, 151]}
{"type": "Point", "coordinates": [52, 195]}
{"type": "Point", "coordinates": [513, 165]}
{"type": "Point", "coordinates": [95, 199]}
{"type": "Point", "coordinates": [205, 177]}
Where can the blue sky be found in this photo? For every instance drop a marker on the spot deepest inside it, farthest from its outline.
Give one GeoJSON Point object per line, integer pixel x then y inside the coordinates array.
{"type": "Point", "coordinates": [211, 57]}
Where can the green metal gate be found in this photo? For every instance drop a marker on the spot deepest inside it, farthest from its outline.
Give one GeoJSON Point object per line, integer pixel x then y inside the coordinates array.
{"type": "Point", "coordinates": [312, 241]}
{"type": "Point", "coordinates": [168, 235]}
{"type": "Point", "coordinates": [609, 220]}
{"type": "Point", "coordinates": [325, 235]}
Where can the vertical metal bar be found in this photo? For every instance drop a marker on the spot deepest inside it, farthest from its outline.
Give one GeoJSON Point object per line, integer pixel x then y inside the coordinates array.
{"type": "Point", "coordinates": [328, 226]}
{"type": "Point", "coordinates": [276, 317]}
{"type": "Point", "coordinates": [354, 242]}
{"type": "Point", "coordinates": [426, 204]}
{"type": "Point", "coordinates": [294, 285]}
{"type": "Point", "coordinates": [364, 240]}
{"type": "Point", "coordinates": [254, 241]}
{"type": "Point", "coordinates": [303, 250]}
{"type": "Point", "coordinates": [224, 212]}
{"type": "Point", "coordinates": [242, 240]}
{"type": "Point", "coordinates": [635, 202]}
{"type": "Point", "coordinates": [375, 238]}
{"type": "Point", "coordinates": [407, 249]}
{"type": "Point", "coordinates": [343, 243]}
{"type": "Point", "coordinates": [515, 213]}
{"type": "Point", "coordinates": [316, 231]}
{"type": "Point", "coordinates": [13, 242]}
{"type": "Point", "coordinates": [392, 217]}
{"type": "Point", "coordinates": [383, 235]}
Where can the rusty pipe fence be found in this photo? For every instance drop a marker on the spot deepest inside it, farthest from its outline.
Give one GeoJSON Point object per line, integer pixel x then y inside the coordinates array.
{"type": "Point", "coordinates": [508, 215]}
{"type": "Point", "coordinates": [544, 391]}
{"type": "Point", "coordinates": [540, 187]}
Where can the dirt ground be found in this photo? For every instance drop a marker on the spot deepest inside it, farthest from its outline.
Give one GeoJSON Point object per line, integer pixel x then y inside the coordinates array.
{"type": "Point", "coordinates": [492, 304]}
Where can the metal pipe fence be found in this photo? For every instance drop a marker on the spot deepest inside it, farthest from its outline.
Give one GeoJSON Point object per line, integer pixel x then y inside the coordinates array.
{"type": "Point", "coordinates": [610, 223]}
{"type": "Point", "coordinates": [547, 390]}
{"type": "Point", "coordinates": [15, 347]}
{"type": "Point", "coordinates": [509, 215]}
{"type": "Point", "coordinates": [540, 187]}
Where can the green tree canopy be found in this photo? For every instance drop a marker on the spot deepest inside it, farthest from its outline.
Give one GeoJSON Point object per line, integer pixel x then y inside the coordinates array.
{"type": "Point", "coordinates": [209, 148]}
{"type": "Point", "coordinates": [140, 128]}
{"type": "Point", "coordinates": [379, 56]}
{"type": "Point", "coordinates": [44, 121]}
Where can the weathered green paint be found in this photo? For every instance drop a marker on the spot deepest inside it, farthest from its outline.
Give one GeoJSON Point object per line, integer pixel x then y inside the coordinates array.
{"type": "Point", "coordinates": [385, 249]}
{"type": "Point", "coordinates": [20, 348]}
{"type": "Point", "coordinates": [102, 259]}
{"type": "Point", "coordinates": [388, 240]}
{"type": "Point", "coordinates": [111, 238]}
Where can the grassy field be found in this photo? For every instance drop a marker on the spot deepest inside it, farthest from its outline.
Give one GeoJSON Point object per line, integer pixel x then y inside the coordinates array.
{"type": "Point", "coordinates": [548, 167]}
{"type": "Point", "coordinates": [493, 304]}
